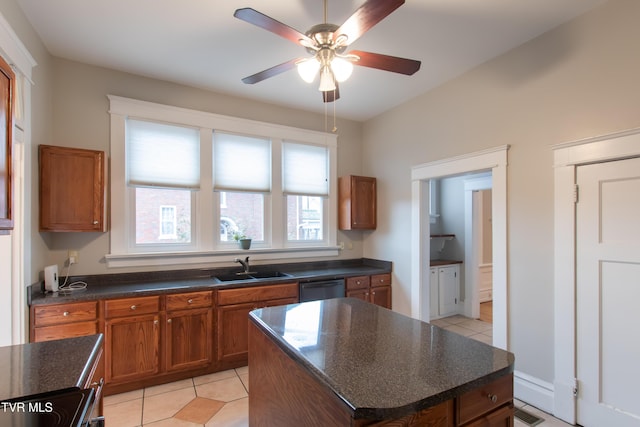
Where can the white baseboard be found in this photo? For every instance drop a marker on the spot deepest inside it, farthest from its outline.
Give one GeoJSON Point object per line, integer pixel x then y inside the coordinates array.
{"type": "Point", "coordinates": [533, 391]}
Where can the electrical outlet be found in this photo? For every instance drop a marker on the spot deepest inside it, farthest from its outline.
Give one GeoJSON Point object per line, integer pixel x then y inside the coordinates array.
{"type": "Point", "coordinates": [73, 257]}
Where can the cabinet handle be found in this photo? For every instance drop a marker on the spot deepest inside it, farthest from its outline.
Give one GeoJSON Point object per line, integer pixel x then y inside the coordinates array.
{"type": "Point", "coordinates": [133, 307]}
{"type": "Point", "coordinates": [492, 397]}
{"type": "Point", "coordinates": [190, 301]}
{"type": "Point", "coordinates": [66, 313]}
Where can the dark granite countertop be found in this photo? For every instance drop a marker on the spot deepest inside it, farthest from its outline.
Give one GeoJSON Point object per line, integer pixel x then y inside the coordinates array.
{"type": "Point", "coordinates": [37, 368]}
{"type": "Point", "coordinates": [125, 285]}
{"type": "Point", "coordinates": [382, 364]}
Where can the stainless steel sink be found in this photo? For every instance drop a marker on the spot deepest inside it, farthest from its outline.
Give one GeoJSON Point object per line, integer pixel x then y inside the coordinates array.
{"type": "Point", "coordinates": [250, 276]}
{"type": "Point", "coordinates": [232, 277]}
{"type": "Point", "coordinates": [269, 274]}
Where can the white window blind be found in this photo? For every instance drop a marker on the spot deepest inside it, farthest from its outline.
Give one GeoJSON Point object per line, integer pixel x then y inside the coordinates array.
{"type": "Point", "coordinates": [305, 169]}
{"type": "Point", "coordinates": [241, 163]}
{"type": "Point", "coordinates": [162, 155]}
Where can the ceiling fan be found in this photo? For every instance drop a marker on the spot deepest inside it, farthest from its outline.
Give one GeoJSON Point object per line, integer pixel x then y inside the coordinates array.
{"type": "Point", "coordinates": [328, 43]}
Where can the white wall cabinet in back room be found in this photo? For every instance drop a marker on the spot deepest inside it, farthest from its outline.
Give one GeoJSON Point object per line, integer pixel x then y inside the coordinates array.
{"type": "Point", "coordinates": [444, 290]}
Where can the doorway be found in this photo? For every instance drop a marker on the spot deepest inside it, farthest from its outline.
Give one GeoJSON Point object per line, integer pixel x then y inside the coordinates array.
{"type": "Point", "coordinates": [495, 161]}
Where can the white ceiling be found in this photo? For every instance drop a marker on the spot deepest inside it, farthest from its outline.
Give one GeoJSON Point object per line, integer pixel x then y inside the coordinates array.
{"type": "Point", "coordinates": [199, 42]}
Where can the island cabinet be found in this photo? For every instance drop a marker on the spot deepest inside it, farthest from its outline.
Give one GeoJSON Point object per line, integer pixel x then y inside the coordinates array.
{"type": "Point", "coordinates": [189, 330]}
{"type": "Point", "coordinates": [357, 205]}
{"type": "Point", "coordinates": [72, 183]}
{"type": "Point", "coordinates": [375, 289]}
{"type": "Point", "coordinates": [132, 338]}
{"type": "Point", "coordinates": [57, 321]}
{"type": "Point", "coordinates": [233, 310]}
{"type": "Point", "coordinates": [422, 375]}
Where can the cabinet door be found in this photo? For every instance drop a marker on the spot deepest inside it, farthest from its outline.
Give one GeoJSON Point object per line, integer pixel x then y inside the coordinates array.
{"type": "Point", "coordinates": [381, 295]}
{"type": "Point", "coordinates": [71, 189]}
{"type": "Point", "coordinates": [132, 347]}
{"type": "Point", "coordinates": [448, 290]}
{"type": "Point", "coordinates": [434, 300]}
{"type": "Point", "coordinates": [188, 338]}
{"type": "Point", "coordinates": [357, 205]}
{"type": "Point", "coordinates": [362, 294]}
{"type": "Point", "coordinates": [232, 330]}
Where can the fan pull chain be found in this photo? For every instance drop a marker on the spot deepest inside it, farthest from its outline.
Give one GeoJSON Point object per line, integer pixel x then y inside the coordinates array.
{"type": "Point", "coordinates": [335, 128]}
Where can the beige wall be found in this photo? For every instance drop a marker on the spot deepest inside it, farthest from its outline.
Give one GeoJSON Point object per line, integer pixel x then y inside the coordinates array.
{"type": "Point", "coordinates": [81, 119]}
{"type": "Point", "coordinates": [577, 81]}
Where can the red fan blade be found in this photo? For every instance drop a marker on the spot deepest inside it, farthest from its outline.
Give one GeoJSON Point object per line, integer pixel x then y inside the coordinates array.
{"type": "Point", "coordinates": [367, 15]}
{"type": "Point", "coordinates": [261, 20]}
{"type": "Point", "coordinates": [270, 72]}
{"type": "Point", "coordinates": [331, 95]}
{"type": "Point", "coordinates": [386, 62]}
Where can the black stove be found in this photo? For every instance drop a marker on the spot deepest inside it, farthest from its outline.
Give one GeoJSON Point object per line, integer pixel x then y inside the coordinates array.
{"type": "Point", "coordinates": [62, 408]}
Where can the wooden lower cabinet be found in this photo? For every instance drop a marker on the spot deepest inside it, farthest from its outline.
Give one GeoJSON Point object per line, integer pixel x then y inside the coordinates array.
{"type": "Point", "coordinates": [132, 347]}
{"type": "Point", "coordinates": [375, 289]}
{"type": "Point", "coordinates": [234, 306]}
{"type": "Point", "coordinates": [56, 321]}
{"type": "Point", "coordinates": [188, 337]}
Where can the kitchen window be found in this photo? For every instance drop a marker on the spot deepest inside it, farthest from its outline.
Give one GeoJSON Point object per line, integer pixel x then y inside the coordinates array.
{"type": "Point", "coordinates": [185, 182]}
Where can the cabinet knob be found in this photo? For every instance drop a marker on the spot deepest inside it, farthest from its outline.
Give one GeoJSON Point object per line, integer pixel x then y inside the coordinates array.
{"type": "Point", "coordinates": [155, 322]}
{"type": "Point", "coordinates": [373, 293]}
{"type": "Point", "coordinates": [190, 301]}
{"type": "Point", "coordinates": [133, 307]}
{"type": "Point", "coordinates": [492, 397]}
{"type": "Point", "coordinates": [95, 222]}
{"type": "Point", "coordinates": [168, 320]}
{"type": "Point", "coordinates": [66, 313]}
{"type": "Point", "coordinates": [357, 282]}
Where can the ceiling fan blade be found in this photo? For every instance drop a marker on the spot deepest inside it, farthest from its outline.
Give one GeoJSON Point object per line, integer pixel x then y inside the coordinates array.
{"type": "Point", "coordinates": [270, 72]}
{"type": "Point", "coordinates": [261, 20]}
{"type": "Point", "coordinates": [367, 15]}
{"type": "Point", "coordinates": [331, 95]}
{"type": "Point", "coordinates": [386, 62]}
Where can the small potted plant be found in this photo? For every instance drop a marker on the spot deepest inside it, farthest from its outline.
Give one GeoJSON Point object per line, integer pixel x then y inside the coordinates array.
{"type": "Point", "coordinates": [242, 239]}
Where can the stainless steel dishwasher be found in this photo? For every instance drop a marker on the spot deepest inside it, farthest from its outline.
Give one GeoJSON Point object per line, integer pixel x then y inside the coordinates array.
{"type": "Point", "coordinates": [321, 289]}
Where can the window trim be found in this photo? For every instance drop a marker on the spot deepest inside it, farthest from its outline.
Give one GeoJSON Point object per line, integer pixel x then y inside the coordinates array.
{"type": "Point", "coordinates": [206, 250]}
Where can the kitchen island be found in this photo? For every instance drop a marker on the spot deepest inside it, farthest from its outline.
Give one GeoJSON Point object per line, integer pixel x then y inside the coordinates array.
{"type": "Point", "coordinates": [345, 362]}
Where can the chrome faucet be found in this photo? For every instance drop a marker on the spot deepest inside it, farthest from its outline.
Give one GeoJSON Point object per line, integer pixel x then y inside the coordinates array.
{"type": "Point", "coordinates": [245, 265]}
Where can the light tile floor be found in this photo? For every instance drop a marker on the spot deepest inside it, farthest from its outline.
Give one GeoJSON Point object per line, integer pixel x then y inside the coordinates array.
{"type": "Point", "coordinates": [214, 400]}
{"type": "Point", "coordinates": [221, 399]}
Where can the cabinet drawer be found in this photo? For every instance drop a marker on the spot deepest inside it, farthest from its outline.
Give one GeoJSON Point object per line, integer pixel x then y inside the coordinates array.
{"type": "Point", "coordinates": [381, 279]}
{"type": "Point", "coordinates": [189, 300]}
{"type": "Point", "coordinates": [485, 398]}
{"type": "Point", "coordinates": [257, 293]}
{"type": "Point", "coordinates": [357, 282]}
{"type": "Point", "coordinates": [131, 306]}
{"type": "Point", "coordinates": [65, 313]}
{"type": "Point", "coordinates": [56, 332]}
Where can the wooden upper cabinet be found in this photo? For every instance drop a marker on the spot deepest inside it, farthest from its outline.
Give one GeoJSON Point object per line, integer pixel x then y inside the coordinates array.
{"type": "Point", "coordinates": [357, 206]}
{"type": "Point", "coordinates": [72, 189]}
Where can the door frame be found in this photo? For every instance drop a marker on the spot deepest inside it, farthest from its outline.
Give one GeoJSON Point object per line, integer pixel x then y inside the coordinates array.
{"type": "Point", "coordinates": [566, 158]}
{"type": "Point", "coordinates": [471, 246]}
{"type": "Point", "coordinates": [494, 160]}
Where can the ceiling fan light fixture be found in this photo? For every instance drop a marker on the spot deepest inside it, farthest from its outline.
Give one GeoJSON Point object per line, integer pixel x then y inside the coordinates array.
{"type": "Point", "coordinates": [308, 69]}
{"type": "Point", "coordinates": [342, 68]}
{"type": "Point", "coordinates": [327, 81]}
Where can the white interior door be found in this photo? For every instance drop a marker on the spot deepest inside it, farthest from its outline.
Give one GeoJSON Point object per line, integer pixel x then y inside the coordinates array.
{"type": "Point", "coordinates": [608, 294]}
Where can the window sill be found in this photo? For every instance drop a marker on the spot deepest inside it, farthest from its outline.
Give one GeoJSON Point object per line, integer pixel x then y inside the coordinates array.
{"type": "Point", "coordinates": [164, 259]}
